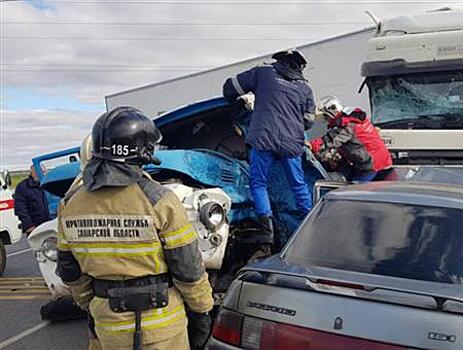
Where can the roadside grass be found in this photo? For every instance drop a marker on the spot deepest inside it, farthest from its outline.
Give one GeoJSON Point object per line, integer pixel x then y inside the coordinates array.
{"type": "Point", "coordinates": [17, 178]}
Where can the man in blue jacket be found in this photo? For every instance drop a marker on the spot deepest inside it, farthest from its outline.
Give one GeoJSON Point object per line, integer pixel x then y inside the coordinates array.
{"type": "Point", "coordinates": [282, 100]}
{"type": "Point", "coordinates": [30, 203]}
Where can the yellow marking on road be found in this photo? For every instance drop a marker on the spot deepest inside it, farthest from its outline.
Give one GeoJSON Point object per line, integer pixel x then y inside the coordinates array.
{"type": "Point", "coordinates": [30, 279]}
{"type": "Point", "coordinates": [23, 288]}
{"type": "Point", "coordinates": [6, 281]}
{"type": "Point", "coordinates": [15, 286]}
{"type": "Point", "coordinates": [25, 291]}
{"type": "Point", "coordinates": [21, 278]}
{"type": "Point", "coordinates": [25, 297]}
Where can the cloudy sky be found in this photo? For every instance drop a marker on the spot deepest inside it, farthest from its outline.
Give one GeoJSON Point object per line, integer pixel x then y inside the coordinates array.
{"type": "Point", "coordinates": [60, 58]}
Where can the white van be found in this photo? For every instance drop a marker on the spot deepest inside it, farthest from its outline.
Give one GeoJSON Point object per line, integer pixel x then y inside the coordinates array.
{"type": "Point", "coordinates": [10, 232]}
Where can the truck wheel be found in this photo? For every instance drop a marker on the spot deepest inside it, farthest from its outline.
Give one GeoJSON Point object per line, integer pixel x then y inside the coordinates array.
{"type": "Point", "coordinates": [2, 258]}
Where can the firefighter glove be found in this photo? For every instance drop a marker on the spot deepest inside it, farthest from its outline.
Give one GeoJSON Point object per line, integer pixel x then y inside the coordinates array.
{"type": "Point", "coordinates": [199, 329]}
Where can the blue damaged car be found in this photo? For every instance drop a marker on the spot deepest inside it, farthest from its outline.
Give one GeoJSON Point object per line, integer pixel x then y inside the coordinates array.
{"type": "Point", "coordinates": [204, 161]}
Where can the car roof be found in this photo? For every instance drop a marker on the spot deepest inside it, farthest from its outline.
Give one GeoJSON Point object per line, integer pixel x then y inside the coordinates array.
{"type": "Point", "coordinates": [414, 193]}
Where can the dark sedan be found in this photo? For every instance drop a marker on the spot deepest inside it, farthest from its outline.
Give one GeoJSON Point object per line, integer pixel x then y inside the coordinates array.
{"type": "Point", "coordinates": [377, 266]}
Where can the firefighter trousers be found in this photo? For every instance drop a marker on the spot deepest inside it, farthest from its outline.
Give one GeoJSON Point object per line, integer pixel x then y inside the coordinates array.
{"type": "Point", "coordinates": [178, 342]}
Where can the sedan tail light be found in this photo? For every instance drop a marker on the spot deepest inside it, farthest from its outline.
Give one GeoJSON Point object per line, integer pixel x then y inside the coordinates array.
{"type": "Point", "coordinates": [6, 204]}
{"type": "Point", "coordinates": [256, 334]}
{"type": "Point", "coordinates": [227, 327]}
{"type": "Point", "coordinates": [276, 336]}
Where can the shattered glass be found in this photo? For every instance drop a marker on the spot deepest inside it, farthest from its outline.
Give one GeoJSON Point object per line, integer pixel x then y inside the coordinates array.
{"type": "Point", "coordinates": [425, 100]}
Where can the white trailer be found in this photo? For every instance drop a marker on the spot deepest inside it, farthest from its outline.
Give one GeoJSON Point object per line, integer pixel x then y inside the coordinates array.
{"type": "Point", "coordinates": [334, 68]}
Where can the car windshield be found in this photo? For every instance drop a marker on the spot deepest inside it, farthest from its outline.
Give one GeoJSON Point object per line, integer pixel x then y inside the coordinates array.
{"type": "Point", "coordinates": [400, 240]}
{"type": "Point", "coordinates": [419, 101]}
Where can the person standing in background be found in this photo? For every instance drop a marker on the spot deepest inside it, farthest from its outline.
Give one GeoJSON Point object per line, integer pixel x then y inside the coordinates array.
{"type": "Point", "coordinates": [30, 202]}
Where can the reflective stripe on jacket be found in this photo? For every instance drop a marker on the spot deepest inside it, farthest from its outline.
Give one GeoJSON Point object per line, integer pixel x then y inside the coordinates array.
{"type": "Point", "coordinates": [157, 324]}
{"type": "Point", "coordinates": [120, 233]}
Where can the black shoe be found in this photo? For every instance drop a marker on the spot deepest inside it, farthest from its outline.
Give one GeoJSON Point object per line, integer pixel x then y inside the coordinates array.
{"type": "Point", "coordinates": [62, 309]}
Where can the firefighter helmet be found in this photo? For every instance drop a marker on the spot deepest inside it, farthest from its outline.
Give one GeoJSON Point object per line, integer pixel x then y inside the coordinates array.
{"type": "Point", "coordinates": [329, 106]}
{"type": "Point", "coordinates": [293, 56]}
{"type": "Point", "coordinates": [124, 134]}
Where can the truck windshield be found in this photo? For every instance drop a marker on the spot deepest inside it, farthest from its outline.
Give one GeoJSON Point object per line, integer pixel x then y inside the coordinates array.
{"type": "Point", "coordinates": [418, 101]}
{"type": "Point", "coordinates": [400, 240]}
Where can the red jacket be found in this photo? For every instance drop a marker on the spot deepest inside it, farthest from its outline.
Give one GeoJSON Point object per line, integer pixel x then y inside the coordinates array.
{"type": "Point", "coordinates": [357, 141]}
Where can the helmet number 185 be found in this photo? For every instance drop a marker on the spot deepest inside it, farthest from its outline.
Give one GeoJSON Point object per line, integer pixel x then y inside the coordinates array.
{"type": "Point", "coordinates": [120, 150]}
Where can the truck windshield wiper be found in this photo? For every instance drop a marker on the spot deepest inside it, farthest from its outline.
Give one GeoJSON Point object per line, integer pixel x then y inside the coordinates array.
{"type": "Point", "coordinates": [437, 121]}
{"type": "Point", "coordinates": [406, 123]}
{"type": "Point", "coordinates": [446, 120]}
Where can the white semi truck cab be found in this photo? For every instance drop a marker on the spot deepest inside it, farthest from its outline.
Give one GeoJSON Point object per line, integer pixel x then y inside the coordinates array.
{"type": "Point", "coordinates": [414, 72]}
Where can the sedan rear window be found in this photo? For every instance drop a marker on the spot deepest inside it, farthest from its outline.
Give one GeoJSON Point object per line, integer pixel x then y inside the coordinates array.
{"type": "Point", "coordinates": [400, 240]}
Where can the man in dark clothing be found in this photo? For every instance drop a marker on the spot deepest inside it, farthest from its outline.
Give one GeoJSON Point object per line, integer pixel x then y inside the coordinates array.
{"type": "Point", "coordinates": [282, 99]}
{"type": "Point", "coordinates": [352, 143]}
{"type": "Point", "coordinates": [30, 203]}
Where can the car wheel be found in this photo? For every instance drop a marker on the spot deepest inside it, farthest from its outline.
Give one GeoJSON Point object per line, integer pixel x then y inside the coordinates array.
{"type": "Point", "coordinates": [2, 257]}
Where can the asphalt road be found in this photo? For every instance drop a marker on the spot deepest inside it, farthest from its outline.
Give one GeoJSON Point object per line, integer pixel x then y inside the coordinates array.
{"type": "Point", "coordinates": [22, 293]}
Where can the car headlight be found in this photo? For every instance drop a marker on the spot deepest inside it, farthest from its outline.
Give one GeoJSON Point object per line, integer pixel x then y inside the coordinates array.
{"type": "Point", "coordinates": [49, 248]}
{"type": "Point", "coordinates": [212, 215]}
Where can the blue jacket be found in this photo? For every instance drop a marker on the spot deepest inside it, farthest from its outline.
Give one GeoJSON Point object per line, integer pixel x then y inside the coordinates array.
{"type": "Point", "coordinates": [282, 98]}
{"type": "Point", "coordinates": [30, 204]}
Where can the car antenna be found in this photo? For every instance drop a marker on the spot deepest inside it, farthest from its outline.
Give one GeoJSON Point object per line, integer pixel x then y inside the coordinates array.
{"type": "Point", "coordinates": [375, 19]}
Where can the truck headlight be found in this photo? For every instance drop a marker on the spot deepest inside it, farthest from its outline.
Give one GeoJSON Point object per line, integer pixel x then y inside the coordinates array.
{"type": "Point", "coordinates": [49, 248]}
{"type": "Point", "coordinates": [212, 215]}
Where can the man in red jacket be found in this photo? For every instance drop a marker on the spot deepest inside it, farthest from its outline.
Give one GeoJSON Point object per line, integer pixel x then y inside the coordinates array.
{"type": "Point", "coordinates": [352, 142]}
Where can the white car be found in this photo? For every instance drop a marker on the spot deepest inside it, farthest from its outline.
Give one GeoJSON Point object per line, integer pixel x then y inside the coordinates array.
{"type": "Point", "coordinates": [10, 232]}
